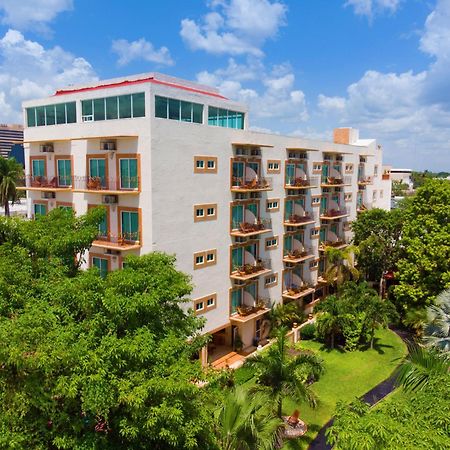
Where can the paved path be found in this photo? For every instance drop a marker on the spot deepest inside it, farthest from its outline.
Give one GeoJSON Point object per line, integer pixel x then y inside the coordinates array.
{"type": "Point", "coordinates": [373, 396]}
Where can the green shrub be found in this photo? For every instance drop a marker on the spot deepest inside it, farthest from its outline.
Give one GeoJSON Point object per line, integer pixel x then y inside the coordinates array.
{"type": "Point", "coordinates": [243, 374]}
{"type": "Point", "coordinates": [308, 331]}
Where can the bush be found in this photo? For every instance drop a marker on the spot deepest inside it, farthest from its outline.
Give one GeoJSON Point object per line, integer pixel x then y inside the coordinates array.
{"type": "Point", "coordinates": [308, 331]}
{"type": "Point", "coordinates": [243, 374]}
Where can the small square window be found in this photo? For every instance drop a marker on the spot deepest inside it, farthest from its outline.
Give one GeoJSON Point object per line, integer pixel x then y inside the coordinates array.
{"type": "Point", "coordinates": [211, 164]}
{"type": "Point", "coordinates": [210, 211]}
{"type": "Point", "coordinates": [210, 257]}
{"type": "Point", "coordinates": [199, 306]}
{"type": "Point", "coordinates": [210, 302]}
{"type": "Point", "coordinates": [200, 212]}
{"type": "Point", "coordinates": [200, 163]}
{"type": "Point", "coordinates": [199, 259]}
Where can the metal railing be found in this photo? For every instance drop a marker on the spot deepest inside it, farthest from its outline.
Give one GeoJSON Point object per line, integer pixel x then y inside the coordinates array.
{"type": "Point", "coordinates": [365, 179]}
{"type": "Point", "coordinates": [298, 253]}
{"type": "Point", "coordinates": [246, 227]}
{"type": "Point", "coordinates": [105, 183]}
{"type": "Point", "coordinates": [296, 218]}
{"type": "Point", "coordinates": [301, 182]}
{"type": "Point", "coordinates": [45, 182]}
{"type": "Point", "coordinates": [249, 269]}
{"type": "Point", "coordinates": [120, 239]}
{"type": "Point", "coordinates": [252, 184]}
{"type": "Point", "coordinates": [335, 212]}
{"type": "Point", "coordinates": [336, 181]}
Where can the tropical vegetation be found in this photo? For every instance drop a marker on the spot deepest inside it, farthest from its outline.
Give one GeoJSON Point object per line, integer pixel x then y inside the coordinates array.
{"type": "Point", "coordinates": [10, 172]}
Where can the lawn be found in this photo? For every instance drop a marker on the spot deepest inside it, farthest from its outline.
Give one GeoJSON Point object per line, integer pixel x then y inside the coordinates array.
{"type": "Point", "coordinates": [347, 376]}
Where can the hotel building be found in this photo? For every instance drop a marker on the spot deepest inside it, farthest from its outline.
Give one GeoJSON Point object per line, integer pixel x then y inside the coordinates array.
{"type": "Point", "coordinates": [174, 163]}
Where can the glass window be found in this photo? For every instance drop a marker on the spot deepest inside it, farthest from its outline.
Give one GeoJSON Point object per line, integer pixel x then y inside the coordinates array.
{"type": "Point", "coordinates": [124, 106]}
{"type": "Point", "coordinates": [128, 173]}
{"type": "Point", "coordinates": [199, 259]}
{"type": "Point", "coordinates": [97, 169]}
{"type": "Point", "coordinates": [38, 168]}
{"type": "Point", "coordinates": [210, 301]}
{"type": "Point", "coordinates": [40, 116]}
{"type": "Point", "coordinates": [86, 108]}
{"type": "Point", "coordinates": [197, 113]}
{"type": "Point", "coordinates": [101, 264]}
{"type": "Point", "coordinates": [212, 115]}
{"type": "Point", "coordinates": [31, 117]}
{"type": "Point", "coordinates": [186, 112]}
{"type": "Point", "coordinates": [50, 114]}
{"type": "Point", "coordinates": [40, 209]}
{"type": "Point", "coordinates": [199, 306]}
{"type": "Point", "coordinates": [111, 108]}
{"type": "Point", "coordinates": [174, 109]}
{"type": "Point", "coordinates": [103, 225]}
{"type": "Point", "coordinates": [211, 164]}
{"type": "Point", "coordinates": [161, 105]}
{"type": "Point", "coordinates": [99, 109]}
{"type": "Point", "coordinates": [60, 113]}
{"type": "Point", "coordinates": [138, 104]}
{"type": "Point", "coordinates": [130, 225]}
{"type": "Point", "coordinates": [64, 168]}
{"type": "Point", "coordinates": [222, 119]}
{"type": "Point", "coordinates": [200, 163]}
{"type": "Point", "coordinates": [200, 212]}
{"type": "Point", "coordinates": [71, 112]}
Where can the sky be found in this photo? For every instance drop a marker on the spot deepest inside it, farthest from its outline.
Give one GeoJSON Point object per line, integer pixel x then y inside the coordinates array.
{"type": "Point", "coordinates": [304, 67]}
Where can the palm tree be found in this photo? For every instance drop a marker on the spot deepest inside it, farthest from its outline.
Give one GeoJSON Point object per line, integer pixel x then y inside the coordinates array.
{"type": "Point", "coordinates": [329, 318]}
{"type": "Point", "coordinates": [341, 265]}
{"type": "Point", "coordinates": [286, 315]}
{"type": "Point", "coordinates": [10, 172]}
{"type": "Point", "coordinates": [420, 366]}
{"type": "Point", "coordinates": [282, 375]}
{"type": "Point", "coordinates": [244, 423]}
{"type": "Point", "coordinates": [437, 330]}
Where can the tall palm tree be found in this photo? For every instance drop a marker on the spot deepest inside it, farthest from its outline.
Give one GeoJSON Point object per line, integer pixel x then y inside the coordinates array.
{"type": "Point", "coordinates": [329, 318]}
{"type": "Point", "coordinates": [10, 172]}
{"type": "Point", "coordinates": [245, 423]}
{"type": "Point", "coordinates": [341, 265]}
{"type": "Point", "coordinates": [437, 329]}
{"type": "Point", "coordinates": [420, 366]}
{"type": "Point", "coordinates": [282, 375]}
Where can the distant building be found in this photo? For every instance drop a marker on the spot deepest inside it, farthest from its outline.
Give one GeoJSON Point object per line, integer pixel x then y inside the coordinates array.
{"type": "Point", "coordinates": [11, 142]}
{"type": "Point", "coordinates": [402, 175]}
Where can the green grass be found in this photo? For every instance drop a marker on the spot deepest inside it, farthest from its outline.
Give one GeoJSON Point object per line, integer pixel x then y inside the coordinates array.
{"type": "Point", "coordinates": [347, 376]}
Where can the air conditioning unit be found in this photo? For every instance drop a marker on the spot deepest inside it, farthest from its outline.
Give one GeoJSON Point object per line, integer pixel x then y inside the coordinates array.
{"type": "Point", "coordinates": [110, 199]}
{"type": "Point", "coordinates": [241, 151]}
{"type": "Point", "coordinates": [48, 194]}
{"type": "Point", "coordinates": [339, 158]}
{"type": "Point", "coordinates": [255, 152]}
{"type": "Point", "coordinates": [110, 146]}
{"type": "Point", "coordinates": [47, 148]}
{"type": "Point", "coordinates": [87, 118]}
{"type": "Point", "coordinates": [109, 251]}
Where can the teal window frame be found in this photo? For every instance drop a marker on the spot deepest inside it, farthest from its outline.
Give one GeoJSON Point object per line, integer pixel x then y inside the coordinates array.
{"type": "Point", "coordinates": [179, 110]}
{"type": "Point", "coordinates": [101, 264]}
{"type": "Point", "coordinates": [55, 114]}
{"type": "Point", "coordinates": [64, 172]}
{"type": "Point", "coordinates": [38, 168]}
{"type": "Point", "coordinates": [39, 209]}
{"type": "Point", "coordinates": [97, 170]}
{"type": "Point", "coordinates": [129, 225]}
{"type": "Point", "coordinates": [128, 173]}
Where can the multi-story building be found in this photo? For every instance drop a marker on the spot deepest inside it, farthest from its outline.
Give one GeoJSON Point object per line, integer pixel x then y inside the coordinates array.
{"type": "Point", "coordinates": [248, 214]}
{"type": "Point", "coordinates": [11, 140]}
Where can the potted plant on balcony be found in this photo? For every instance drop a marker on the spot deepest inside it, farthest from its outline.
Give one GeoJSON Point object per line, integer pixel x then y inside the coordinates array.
{"type": "Point", "coordinates": [238, 344]}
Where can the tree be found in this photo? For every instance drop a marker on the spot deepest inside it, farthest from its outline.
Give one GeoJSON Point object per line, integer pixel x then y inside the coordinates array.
{"type": "Point", "coordinates": [245, 423]}
{"type": "Point", "coordinates": [97, 363]}
{"type": "Point", "coordinates": [423, 269]}
{"type": "Point", "coordinates": [10, 172]}
{"type": "Point", "coordinates": [328, 319]}
{"type": "Point", "coordinates": [283, 375]}
{"type": "Point", "coordinates": [286, 315]}
{"type": "Point", "coordinates": [341, 265]}
{"type": "Point", "coordinates": [437, 329]}
{"type": "Point", "coordinates": [399, 188]}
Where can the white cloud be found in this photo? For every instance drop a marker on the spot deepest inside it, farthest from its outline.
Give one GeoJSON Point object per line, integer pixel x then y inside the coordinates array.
{"type": "Point", "coordinates": [331, 103]}
{"type": "Point", "coordinates": [32, 14]}
{"type": "Point", "coordinates": [141, 49]}
{"type": "Point", "coordinates": [235, 27]}
{"type": "Point", "coordinates": [370, 8]}
{"type": "Point", "coordinates": [28, 70]}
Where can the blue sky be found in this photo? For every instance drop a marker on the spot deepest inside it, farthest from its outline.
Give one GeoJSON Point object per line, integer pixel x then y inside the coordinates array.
{"type": "Point", "coordinates": [303, 66]}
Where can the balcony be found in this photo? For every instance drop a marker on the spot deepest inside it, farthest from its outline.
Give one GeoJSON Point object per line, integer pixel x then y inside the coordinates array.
{"type": "Point", "coordinates": [39, 183]}
{"type": "Point", "coordinates": [246, 229]}
{"type": "Point", "coordinates": [364, 181]}
{"type": "Point", "coordinates": [363, 207]}
{"type": "Point", "coordinates": [332, 214]}
{"type": "Point", "coordinates": [337, 242]}
{"type": "Point", "coordinates": [295, 292]}
{"type": "Point", "coordinates": [257, 184]}
{"type": "Point", "coordinates": [336, 181]}
{"type": "Point", "coordinates": [250, 271]}
{"type": "Point", "coordinates": [246, 313]}
{"type": "Point", "coordinates": [298, 255]}
{"type": "Point", "coordinates": [122, 242]}
{"type": "Point", "coordinates": [301, 183]}
{"type": "Point", "coordinates": [107, 186]}
{"type": "Point", "coordinates": [296, 220]}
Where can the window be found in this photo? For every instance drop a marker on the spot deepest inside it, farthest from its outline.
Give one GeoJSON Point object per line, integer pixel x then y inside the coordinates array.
{"type": "Point", "coordinates": [97, 170]}
{"type": "Point", "coordinates": [64, 171]}
{"type": "Point", "coordinates": [348, 197]}
{"type": "Point", "coordinates": [205, 258]}
{"type": "Point", "coordinates": [103, 225]}
{"type": "Point", "coordinates": [128, 173]}
{"type": "Point", "coordinates": [205, 304]}
{"type": "Point", "coordinates": [129, 225]}
{"type": "Point", "coordinates": [225, 118]}
{"type": "Point", "coordinates": [174, 109]}
{"type": "Point", "coordinates": [317, 168]}
{"type": "Point", "coordinates": [315, 200]}
{"type": "Point", "coordinates": [315, 233]}
{"type": "Point", "coordinates": [271, 280]}
{"type": "Point", "coordinates": [40, 209]}
{"type": "Point", "coordinates": [205, 212]}
{"type": "Point", "coordinates": [38, 167]}
{"type": "Point", "coordinates": [381, 194]}
{"type": "Point", "coordinates": [271, 243]}
{"type": "Point", "coordinates": [117, 107]}
{"type": "Point", "coordinates": [272, 205]}
{"type": "Point", "coordinates": [273, 166]}
{"type": "Point", "coordinates": [375, 170]}
{"type": "Point", "coordinates": [314, 265]}
{"type": "Point", "coordinates": [58, 114]}
{"type": "Point", "coordinates": [374, 195]}
{"type": "Point", "coordinates": [349, 168]}
{"type": "Point", "coordinates": [205, 164]}
{"type": "Point", "coordinates": [101, 264]}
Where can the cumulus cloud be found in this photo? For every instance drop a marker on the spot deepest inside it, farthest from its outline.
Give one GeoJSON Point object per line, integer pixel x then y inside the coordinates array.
{"type": "Point", "coordinates": [29, 14]}
{"type": "Point", "coordinates": [235, 27]}
{"type": "Point", "coordinates": [28, 70]}
{"type": "Point", "coordinates": [141, 49]}
{"type": "Point", "coordinates": [370, 8]}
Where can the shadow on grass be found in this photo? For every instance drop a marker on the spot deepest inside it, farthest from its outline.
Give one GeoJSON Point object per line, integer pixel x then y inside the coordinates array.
{"type": "Point", "coordinates": [377, 346]}
{"type": "Point", "coordinates": [325, 348]}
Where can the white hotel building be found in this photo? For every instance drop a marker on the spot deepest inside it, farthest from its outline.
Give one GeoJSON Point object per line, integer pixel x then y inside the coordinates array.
{"type": "Point", "coordinates": [246, 213]}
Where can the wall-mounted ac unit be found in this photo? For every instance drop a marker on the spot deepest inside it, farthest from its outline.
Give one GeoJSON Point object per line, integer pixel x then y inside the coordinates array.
{"type": "Point", "coordinates": [47, 148]}
{"type": "Point", "coordinates": [48, 194]}
{"type": "Point", "coordinates": [110, 251]}
{"type": "Point", "coordinates": [110, 199]}
{"type": "Point", "coordinates": [339, 158]}
{"type": "Point", "coordinates": [255, 152]}
{"type": "Point", "coordinates": [87, 118]}
{"type": "Point", "coordinates": [110, 146]}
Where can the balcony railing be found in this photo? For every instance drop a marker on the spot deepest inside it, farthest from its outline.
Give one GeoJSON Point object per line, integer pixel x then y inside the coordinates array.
{"type": "Point", "coordinates": [295, 291]}
{"type": "Point", "coordinates": [334, 213]}
{"type": "Point", "coordinates": [365, 180]}
{"type": "Point", "coordinates": [255, 184]}
{"type": "Point", "coordinates": [40, 182]}
{"type": "Point", "coordinates": [248, 271]}
{"type": "Point", "coordinates": [298, 255]}
{"type": "Point", "coordinates": [106, 184]}
{"type": "Point", "coordinates": [336, 243]}
{"type": "Point", "coordinates": [336, 181]}
{"type": "Point", "coordinates": [301, 183]}
{"type": "Point", "coordinates": [246, 228]}
{"type": "Point", "coordinates": [363, 206]}
{"type": "Point", "coordinates": [261, 305]}
{"type": "Point", "coordinates": [295, 219]}
{"type": "Point", "coordinates": [120, 242]}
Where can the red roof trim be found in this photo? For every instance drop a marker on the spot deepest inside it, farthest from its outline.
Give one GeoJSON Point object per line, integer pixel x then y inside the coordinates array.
{"type": "Point", "coordinates": [143, 80]}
